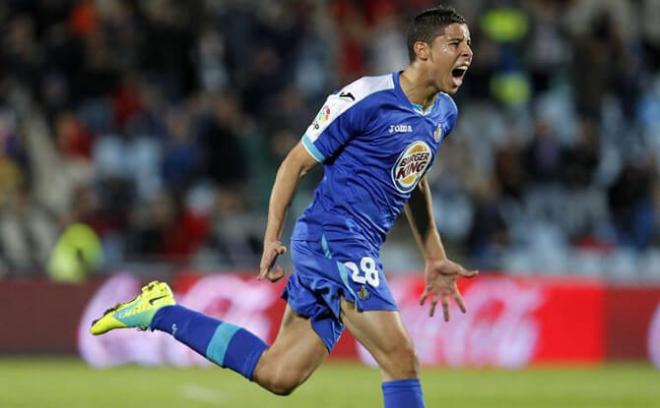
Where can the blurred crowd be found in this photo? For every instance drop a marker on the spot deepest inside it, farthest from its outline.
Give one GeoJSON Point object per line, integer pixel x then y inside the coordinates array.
{"type": "Point", "coordinates": [146, 133]}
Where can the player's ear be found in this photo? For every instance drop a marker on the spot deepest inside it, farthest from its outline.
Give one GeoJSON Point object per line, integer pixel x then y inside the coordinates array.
{"type": "Point", "coordinates": [422, 50]}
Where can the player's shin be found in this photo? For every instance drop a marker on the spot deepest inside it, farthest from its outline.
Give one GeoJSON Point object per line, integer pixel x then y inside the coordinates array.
{"type": "Point", "coordinates": [225, 344]}
{"type": "Point", "coordinates": [403, 393]}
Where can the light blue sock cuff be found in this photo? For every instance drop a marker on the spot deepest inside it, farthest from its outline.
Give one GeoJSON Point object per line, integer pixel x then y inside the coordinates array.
{"type": "Point", "coordinates": [235, 348]}
{"type": "Point", "coordinates": [219, 343]}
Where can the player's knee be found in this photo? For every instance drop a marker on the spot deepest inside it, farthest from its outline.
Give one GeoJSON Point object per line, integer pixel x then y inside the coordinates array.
{"type": "Point", "coordinates": [402, 362]}
{"type": "Point", "coordinates": [279, 379]}
{"type": "Point", "coordinates": [282, 384]}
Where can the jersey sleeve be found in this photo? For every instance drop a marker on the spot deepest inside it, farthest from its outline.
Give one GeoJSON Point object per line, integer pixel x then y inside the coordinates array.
{"type": "Point", "coordinates": [341, 118]}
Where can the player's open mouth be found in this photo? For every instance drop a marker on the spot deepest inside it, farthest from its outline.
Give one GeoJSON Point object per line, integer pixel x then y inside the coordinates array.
{"type": "Point", "coordinates": [458, 73]}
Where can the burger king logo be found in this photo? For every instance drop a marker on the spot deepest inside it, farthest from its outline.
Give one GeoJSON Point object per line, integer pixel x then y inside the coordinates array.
{"type": "Point", "coordinates": [410, 166]}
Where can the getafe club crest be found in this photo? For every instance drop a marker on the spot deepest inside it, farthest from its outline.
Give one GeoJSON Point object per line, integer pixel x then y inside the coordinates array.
{"type": "Point", "coordinates": [363, 293]}
{"type": "Point", "coordinates": [437, 134]}
{"type": "Point", "coordinates": [410, 166]}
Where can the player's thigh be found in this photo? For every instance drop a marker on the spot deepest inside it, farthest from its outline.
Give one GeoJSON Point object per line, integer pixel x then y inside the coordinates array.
{"type": "Point", "coordinates": [383, 334]}
{"type": "Point", "coordinates": [294, 355]}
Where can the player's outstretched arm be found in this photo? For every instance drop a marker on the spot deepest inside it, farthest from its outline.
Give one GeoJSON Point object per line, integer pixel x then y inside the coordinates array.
{"type": "Point", "coordinates": [293, 168]}
{"type": "Point", "coordinates": [440, 272]}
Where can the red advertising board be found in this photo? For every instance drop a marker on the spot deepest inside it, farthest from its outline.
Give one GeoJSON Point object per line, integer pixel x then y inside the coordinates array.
{"type": "Point", "coordinates": [39, 316]}
{"type": "Point", "coordinates": [631, 314]}
{"type": "Point", "coordinates": [572, 321]}
{"type": "Point", "coordinates": [510, 322]}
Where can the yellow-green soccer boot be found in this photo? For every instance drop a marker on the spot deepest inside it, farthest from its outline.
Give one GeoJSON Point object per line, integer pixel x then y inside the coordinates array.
{"type": "Point", "coordinates": [136, 313]}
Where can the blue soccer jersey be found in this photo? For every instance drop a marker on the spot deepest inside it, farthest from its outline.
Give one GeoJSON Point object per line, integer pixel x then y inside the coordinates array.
{"type": "Point", "coordinates": [375, 146]}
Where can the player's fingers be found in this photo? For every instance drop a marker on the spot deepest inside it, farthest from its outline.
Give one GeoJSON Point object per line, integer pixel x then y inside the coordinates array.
{"type": "Point", "coordinates": [263, 274]}
{"type": "Point", "coordinates": [267, 262]}
{"type": "Point", "coordinates": [459, 301]}
{"type": "Point", "coordinates": [468, 273]}
{"type": "Point", "coordinates": [274, 254]}
{"type": "Point", "coordinates": [425, 294]}
{"type": "Point", "coordinates": [434, 303]}
{"type": "Point", "coordinates": [445, 307]}
{"type": "Point", "coordinates": [276, 274]}
{"type": "Point", "coordinates": [263, 270]}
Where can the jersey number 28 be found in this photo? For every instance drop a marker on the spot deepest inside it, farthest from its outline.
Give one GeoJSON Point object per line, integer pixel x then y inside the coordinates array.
{"type": "Point", "coordinates": [366, 273]}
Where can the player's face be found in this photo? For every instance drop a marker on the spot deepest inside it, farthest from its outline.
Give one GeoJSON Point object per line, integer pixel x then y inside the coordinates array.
{"type": "Point", "coordinates": [451, 56]}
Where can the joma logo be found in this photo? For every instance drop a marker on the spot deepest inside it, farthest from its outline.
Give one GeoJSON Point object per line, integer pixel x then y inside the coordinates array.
{"type": "Point", "coordinates": [401, 128]}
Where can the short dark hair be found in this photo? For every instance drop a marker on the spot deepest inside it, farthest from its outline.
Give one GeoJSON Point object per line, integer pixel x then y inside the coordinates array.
{"type": "Point", "coordinates": [429, 24]}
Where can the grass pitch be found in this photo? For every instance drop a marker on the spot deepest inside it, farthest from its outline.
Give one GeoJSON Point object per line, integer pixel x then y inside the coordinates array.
{"type": "Point", "coordinates": [69, 383]}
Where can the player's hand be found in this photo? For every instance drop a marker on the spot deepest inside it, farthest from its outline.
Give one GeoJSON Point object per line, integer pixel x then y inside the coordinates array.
{"type": "Point", "coordinates": [271, 251]}
{"type": "Point", "coordinates": [441, 276]}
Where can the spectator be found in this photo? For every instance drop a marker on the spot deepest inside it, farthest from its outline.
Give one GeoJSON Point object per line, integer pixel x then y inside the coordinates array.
{"type": "Point", "coordinates": [630, 200]}
{"type": "Point", "coordinates": [224, 160]}
{"type": "Point", "coordinates": [114, 113]}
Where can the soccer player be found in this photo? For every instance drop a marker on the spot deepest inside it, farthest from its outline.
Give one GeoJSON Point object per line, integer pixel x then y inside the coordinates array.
{"type": "Point", "coordinates": [376, 138]}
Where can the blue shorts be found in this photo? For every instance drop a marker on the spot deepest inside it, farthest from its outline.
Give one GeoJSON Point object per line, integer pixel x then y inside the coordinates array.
{"type": "Point", "coordinates": [327, 271]}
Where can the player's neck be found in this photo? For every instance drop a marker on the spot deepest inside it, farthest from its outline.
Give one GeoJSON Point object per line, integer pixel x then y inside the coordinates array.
{"type": "Point", "coordinates": [416, 88]}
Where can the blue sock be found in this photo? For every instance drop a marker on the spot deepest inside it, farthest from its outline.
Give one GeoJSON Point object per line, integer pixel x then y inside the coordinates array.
{"type": "Point", "coordinates": [403, 394]}
{"type": "Point", "coordinates": [225, 344]}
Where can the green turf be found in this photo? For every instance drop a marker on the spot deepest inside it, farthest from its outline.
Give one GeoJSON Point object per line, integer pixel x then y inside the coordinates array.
{"type": "Point", "coordinates": [69, 383]}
